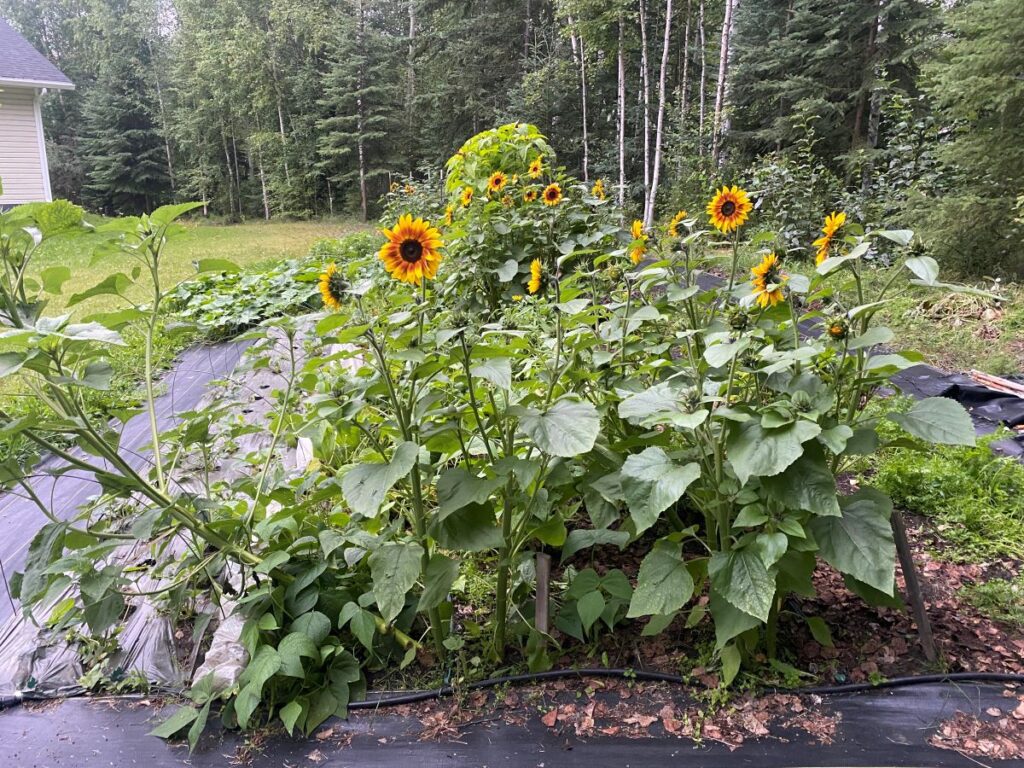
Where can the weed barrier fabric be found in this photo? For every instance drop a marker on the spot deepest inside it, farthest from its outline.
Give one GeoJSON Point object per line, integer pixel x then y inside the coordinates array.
{"type": "Point", "coordinates": [889, 728]}
{"type": "Point", "coordinates": [38, 660]}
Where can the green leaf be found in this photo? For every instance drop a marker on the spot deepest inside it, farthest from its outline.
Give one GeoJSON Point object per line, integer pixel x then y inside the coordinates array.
{"type": "Point", "coordinates": [471, 529]}
{"type": "Point", "coordinates": [582, 538]}
{"type": "Point", "coordinates": [730, 621]}
{"type": "Point", "coordinates": [437, 580]}
{"type": "Point", "coordinates": [508, 270]}
{"type": "Point", "coordinates": [216, 265]}
{"type": "Point", "coordinates": [819, 630]}
{"type": "Point", "coordinates": [730, 663]}
{"type": "Point", "coordinates": [663, 584]}
{"type": "Point", "coordinates": [457, 488]}
{"type": "Point", "coordinates": [497, 370]}
{"type": "Point", "coordinates": [394, 569]}
{"type": "Point", "coordinates": [175, 723]}
{"type": "Point", "coordinates": [806, 484]}
{"type": "Point", "coordinates": [115, 284]}
{"type": "Point", "coordinates": [289, 714]}
{"type": "Point", "coordinates": [660, 405]}
{"type": "Point", "coordinates": [898, 236]}
{"type": "Point", "coordinates": [925, 267]}
{"type": "Point", "coordinates": [365, 486]}
{"type": "Point", "coordinates": [567, 429]}
{"type": "Point", "coordinates": [590, 607]}
{"type": "Point", "coordinates": [860, 542]}
{"type": "Point", "coordinates": [937, 420]}
{"type": "Point", "coordinates": [11, 362]}
{"type": "Point", "coordinates": [756, 451]}
{"type": "Point", "coordinates": [165, 214]}
{"type": "Point", "coordinates": [720, 354]}
{"type": "Point", "coordinates": [742, 579]}
{"type": "Point", "coordinates": [292, 648]}
{"type": "Point", "coordinates": [652, 482]}
{"type": "Point", "coordinates": [54, 278]}
{"type": "Point", "coordinates": [879, 334]}
{"type": "Point", "coordinates": [198, 727]}
{"type": "Point", "coordinates": [315, 625]}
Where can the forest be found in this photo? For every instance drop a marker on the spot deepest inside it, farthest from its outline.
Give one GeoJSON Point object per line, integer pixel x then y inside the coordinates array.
{"type": "Point", "coordinates": [901, 112]}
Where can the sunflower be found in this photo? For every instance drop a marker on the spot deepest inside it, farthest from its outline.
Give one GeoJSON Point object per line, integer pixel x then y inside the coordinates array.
{"type": "Point", "coordinates": [412, 250]}
{"type": "Point", "coordinates": [393, 187]}
{"type": "Point", "coordinates": [535, 276]}
{"type": "Point", "coordinates": [768, 279]}
{"type": "Point", "coordinates": [552, 194]}
{"type": "Point", "coordinates": [536, 167]}
{"type": "Point", "coordinates": [449, 213]}
{"type": "Point", "coordinates": [729, 208]}
{"type": "Point", "coordinates": [332, 287]}
{"type": "Point", "coordinates": [497, 181]}
{"type": "Point", "coordinates": [467, 196]}
{"type": "Point", "coordinates": [530, 195]}
{"type": "Point", "coordinates": [636, 253]}
{"type": "Point", "coordinates": [673, 226]}
{"type": "Point", "coordinates": [598, 189]}
{"type": "Point", "coordinates": [838, 329]}
{"type": "Point", "coordinates": [833, 223]}
{"type": "Point", "coordinates": [409, 189]}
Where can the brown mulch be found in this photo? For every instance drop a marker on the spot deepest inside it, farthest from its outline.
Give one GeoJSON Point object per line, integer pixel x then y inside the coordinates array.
{"type": "Point", "coordinates": [1001, 737]}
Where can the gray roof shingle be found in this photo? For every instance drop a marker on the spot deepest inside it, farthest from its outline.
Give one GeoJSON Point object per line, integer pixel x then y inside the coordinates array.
{"type": "Point", "coordinates": [20, 63]}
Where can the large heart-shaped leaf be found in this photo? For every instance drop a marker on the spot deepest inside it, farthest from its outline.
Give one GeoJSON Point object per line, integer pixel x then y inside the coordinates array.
{"type": "Point", "coordinates": [394, 569]}
{"type": "Point", "coordinates": [756, 451]}
{"type": "Point", "coordinates": [937, 420]}
{"type": "Point", "coordinates": [741, 578]}
{"type": "Point", "coordinates": [365, 486]}
{"type": "Point", "coordinates": [663, 584]}
{"type": "Point", "coordinates": [568, 428]}
{"type": "Point", "coordinates": [659, 405]}
{"type": "Point", "coordinates": [652, 482]}
{"type": "Point", "coordinates": [860, 542]}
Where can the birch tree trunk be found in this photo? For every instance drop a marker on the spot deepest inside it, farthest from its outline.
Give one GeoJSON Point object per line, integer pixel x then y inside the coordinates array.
{"type": "Point", "coordinates": [583, 95]}
{"type": "Point", "coordinates": [410, 85]}
{"type": "Point", "coordinates": [703, 78]}
{"type": "Point", "coordinates": [646, 91]}
{"type": "Point", "coordinates": [163, 117]}
{"type": "Point", "coordinates": [723, 67]}
{"type": "Point", "coordinates": [360, 29]}
{"type": "Point", "coordinates": [656, 169]}
{"type": "Point", "coordinates": [622, 119]}
{"type": "Point", "coordinates": [684, 80]}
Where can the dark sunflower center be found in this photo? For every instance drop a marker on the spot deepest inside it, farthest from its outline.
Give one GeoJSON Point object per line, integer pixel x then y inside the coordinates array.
{"type": "Point", "coordinates": [772, 277]}
{"type": "Point", "coordinates": [336, 285]}
{"type": "Point", "coordinates": [551, 194]}
{"type": "Point", "coordinates": [411, 250]}
{"type": "Point", "coordinates": [728, 208]}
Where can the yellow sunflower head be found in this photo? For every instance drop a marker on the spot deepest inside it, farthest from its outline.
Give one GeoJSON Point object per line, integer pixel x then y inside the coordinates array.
{"type": "Point", "coordinates": [636, 252]}
{"type": "Point", "coordinates": [673, 226]}
{"type": "Point", "coordinates": [536, 276]}
{"type": "Point", "coordinates": [598, 189]}
{"type": "Point", "coordinates": [552, 194]}
{"type": "Point", "coordinates": [728, 209]}
{"type": "Point", "coordinates": [768, 279]}
{"type": "Point", "coordinates": [497, 181]}
{"type": "Point", "coordinates": [409, 189]}
{"type": "Point", "coordinates": [394, 187]}
{"type": "Point", "coordinates": [833, 223]}
{"type": "Point", "coordinates": [838, 329]}
{"type": "Point", "coordinates": [536, 167]}
{"type": "Point", "coordinates": [530, 195]}
{"type": "Point", "coordinates": [412, 250]}
{"type": "Point", "coordinates": [467, 196]}
{"type": "Point", "coordinates": [332, 287]}
{"type": "Point", "coordinates": [449, 214]}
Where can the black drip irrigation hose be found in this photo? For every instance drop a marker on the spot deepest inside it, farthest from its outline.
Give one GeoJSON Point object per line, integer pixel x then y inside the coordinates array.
{"type": "Point", "coordinates": [382, 701]}
{"type": "Point", "coordinates": [414, 697]}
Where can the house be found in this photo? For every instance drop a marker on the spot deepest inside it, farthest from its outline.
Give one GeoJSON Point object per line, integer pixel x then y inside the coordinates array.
{"type": "Point", "coordinates": [25, 77]}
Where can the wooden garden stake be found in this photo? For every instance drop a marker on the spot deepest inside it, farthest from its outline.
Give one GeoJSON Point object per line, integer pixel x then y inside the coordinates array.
{"type": "Point", "coordinates": [914, 596]}
{"type": "Point", "coordinates": [542, 606]}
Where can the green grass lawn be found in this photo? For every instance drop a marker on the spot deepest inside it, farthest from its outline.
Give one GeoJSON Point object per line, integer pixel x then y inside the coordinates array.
{"type": "Point", "coordinates": [244, 244]}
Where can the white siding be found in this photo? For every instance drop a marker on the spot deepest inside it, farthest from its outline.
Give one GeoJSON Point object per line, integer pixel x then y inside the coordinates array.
{"type": "Point", "coordinates": [22, 157]}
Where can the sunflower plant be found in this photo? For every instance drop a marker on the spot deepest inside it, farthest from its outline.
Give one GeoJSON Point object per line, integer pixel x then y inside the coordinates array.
{"type": "Point", "coordinates": [746, 420]}
{"type": "Point", "coordinates": [511, 206]}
